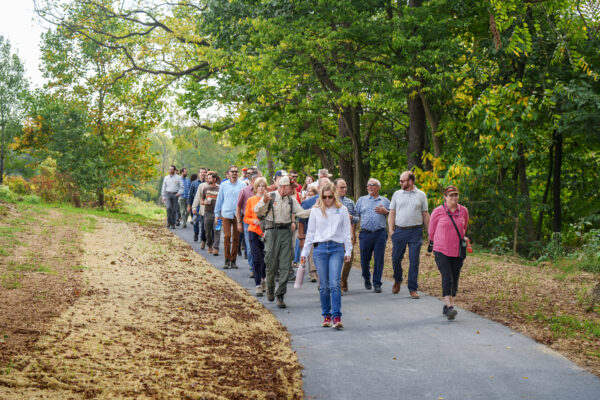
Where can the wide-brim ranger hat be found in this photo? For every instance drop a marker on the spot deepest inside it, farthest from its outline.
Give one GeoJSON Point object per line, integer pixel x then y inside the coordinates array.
{"type": "Point", "coordinates": [324, 172]}
{"type": "Point", "coordinates": [450, 189]}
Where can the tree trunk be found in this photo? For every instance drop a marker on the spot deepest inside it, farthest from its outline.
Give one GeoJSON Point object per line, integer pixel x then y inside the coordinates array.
{"type": "Point", "coordinates": [270, 165]}
{"type": "Point", "coordinates": [100, 194]}
{"type": "Point", "coordinates": [524, 189]}
{"type": "Point", "coordinates": [557, 169]}
{"type": "Point", "coordinates": [433, 123]}
{"type": "Point", "coordinates": [2, 154]}
{"type": "Point", "coordinates": [345, 163]}
{"type": "Point", "coordinates": [416, 124]}
{"type": "Point", "coordinates": [416, 133]}
{"type": "Point", "coordinates": [538, 234]}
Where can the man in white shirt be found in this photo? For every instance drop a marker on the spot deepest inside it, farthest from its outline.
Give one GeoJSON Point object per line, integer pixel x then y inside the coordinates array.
{"type": "Point", "coordinates": [172, 189]}
{"type": "Point", "coordinates": [408, 213]}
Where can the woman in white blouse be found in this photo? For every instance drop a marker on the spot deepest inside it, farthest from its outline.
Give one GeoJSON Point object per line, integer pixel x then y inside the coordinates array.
{"type": "Point", "coordinates": [329, 232]}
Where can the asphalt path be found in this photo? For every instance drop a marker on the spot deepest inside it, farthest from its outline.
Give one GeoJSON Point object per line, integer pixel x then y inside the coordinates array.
{"type": "Point", "coordinates": [394, 347]}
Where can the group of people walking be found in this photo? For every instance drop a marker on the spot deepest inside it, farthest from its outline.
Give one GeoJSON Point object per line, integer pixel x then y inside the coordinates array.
{"type": "Point", "coordinates": [321, 222]}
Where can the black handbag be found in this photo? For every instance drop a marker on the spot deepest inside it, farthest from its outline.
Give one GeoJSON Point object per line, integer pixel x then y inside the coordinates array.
{"type": "Point", "coordinates": [462, 243]}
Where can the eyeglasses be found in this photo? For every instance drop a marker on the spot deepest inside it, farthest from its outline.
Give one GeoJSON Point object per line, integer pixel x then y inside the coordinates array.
{"type": "Point", "coordinates": [233, 172]}
{"type": "Point", "coordinates": [372, 184]}
{"type": "Point", "coordinates": [327, 197]}
{"type": "Point", "coordinates": [294, 176]}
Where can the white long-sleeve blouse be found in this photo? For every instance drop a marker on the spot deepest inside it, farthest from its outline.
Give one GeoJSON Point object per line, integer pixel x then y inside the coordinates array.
{"type": "Point", "coordinates": [334, 226]}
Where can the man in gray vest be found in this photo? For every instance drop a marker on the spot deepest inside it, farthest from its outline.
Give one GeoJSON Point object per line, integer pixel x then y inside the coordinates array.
{"type": "Point", "coordinates": [279, 209]}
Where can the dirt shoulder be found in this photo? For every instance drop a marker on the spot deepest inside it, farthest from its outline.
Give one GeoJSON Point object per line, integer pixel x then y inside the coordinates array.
{"type": "Point", "coordinates": [154, 320]}
{"type": "Point", "coordinates": [549, 305]}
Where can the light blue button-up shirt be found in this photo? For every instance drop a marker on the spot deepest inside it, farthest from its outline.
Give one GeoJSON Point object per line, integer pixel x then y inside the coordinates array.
{"type": "Point", "coordinates": [227, 199]}
{"type": "Point", "coordinates": [369, 219]}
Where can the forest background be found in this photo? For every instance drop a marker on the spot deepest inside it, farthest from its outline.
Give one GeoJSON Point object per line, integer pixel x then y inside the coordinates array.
{"type": "Point", "coordinates": [501, 98]}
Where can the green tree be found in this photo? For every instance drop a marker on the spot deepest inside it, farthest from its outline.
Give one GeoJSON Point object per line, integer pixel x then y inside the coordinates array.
{"type": "Point", "coordinates": [13, 87]}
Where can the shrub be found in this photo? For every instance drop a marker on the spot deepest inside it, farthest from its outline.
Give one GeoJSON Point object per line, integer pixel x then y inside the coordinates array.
{"type": "Point", "coordinates": [7, 195]}
{"type": "Point", "coordinates": [17, 184]}
{"type": "Point", "coordinates": [590, 251]}
{"type": "Point", "coordinates": [500, 245]}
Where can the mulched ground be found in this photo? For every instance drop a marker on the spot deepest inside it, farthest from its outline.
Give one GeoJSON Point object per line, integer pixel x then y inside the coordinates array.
{"type": "Point", "coordinates": [153, 320]}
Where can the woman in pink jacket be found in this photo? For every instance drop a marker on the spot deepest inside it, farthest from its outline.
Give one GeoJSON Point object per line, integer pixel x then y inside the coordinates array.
{"type": "Point", "coordinates": [446, 238]}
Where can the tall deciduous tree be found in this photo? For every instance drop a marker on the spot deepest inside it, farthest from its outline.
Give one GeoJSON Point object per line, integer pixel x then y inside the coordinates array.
{"type": "Point", "coordinates": [13, 86]}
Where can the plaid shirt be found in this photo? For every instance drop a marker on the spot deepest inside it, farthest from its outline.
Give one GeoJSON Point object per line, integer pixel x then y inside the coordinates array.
{"type": "Point", "coordinates": [351, 209]}
{"type": "Point", "coordinates": [186, 187]}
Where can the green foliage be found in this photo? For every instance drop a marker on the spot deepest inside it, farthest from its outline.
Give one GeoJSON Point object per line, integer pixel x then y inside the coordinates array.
{"type": "Point", "coordinates": [500, 245]}
{"type": "Point", "coordinates": [589, 256]}
{"type": "Point", "coordinates": [7, 195]}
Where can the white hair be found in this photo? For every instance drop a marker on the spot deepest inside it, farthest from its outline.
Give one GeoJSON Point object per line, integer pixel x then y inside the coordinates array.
{"type": "Point", "coordinates": [375, 180]}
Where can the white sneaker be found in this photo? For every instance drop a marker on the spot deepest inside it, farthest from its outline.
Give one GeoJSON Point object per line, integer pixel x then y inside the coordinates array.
{"type": "Point", "coordinates": [259, 291]}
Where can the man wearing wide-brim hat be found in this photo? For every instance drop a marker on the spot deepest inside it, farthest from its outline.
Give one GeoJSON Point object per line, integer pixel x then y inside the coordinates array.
{"type": "Point", "coordinates": [279, 209]}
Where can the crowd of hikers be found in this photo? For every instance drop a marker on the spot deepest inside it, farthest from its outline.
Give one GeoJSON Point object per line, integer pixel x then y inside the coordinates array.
{"type": "Point", "coordinates": [281, 225]}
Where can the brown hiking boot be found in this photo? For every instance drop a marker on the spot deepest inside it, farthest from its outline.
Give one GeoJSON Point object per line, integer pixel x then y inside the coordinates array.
{"type": "Point", "coordinates": [396, 287]}
{"type": "Point", "coordinates": [280, 302]}
{"type": "Point", "coordinates": [414, 294]}
{"type": "Point", "coordinates": [270, 295]}
{"type": "Point", "coordinates": [202, 245]}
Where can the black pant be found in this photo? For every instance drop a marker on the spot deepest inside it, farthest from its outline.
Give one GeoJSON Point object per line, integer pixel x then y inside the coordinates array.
{"type": "Point", "coordinates": [450, 269]}
{"type": "Point", "coordinates": [258, 256]}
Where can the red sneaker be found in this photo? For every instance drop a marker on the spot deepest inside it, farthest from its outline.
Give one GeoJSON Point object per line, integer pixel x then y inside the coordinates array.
{"type": "Point", "coordinates": [326, 322]}
{"type": "Point", "coordinates": [337, 323]}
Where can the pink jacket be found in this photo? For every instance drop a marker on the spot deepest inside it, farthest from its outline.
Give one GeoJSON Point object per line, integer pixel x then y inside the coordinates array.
{"type": "Point", "coordinates": [442, 232]}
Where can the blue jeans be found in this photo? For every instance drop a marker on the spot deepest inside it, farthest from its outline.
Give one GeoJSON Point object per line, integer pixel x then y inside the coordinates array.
{"type": "Point", "coordinates": [297, 252]}
{"type": "Point", "coordinates": [372, 244]}
{"type": "Point", "coordinates": [414, 239]}
{"type": "Point", "coordinates": [329, 258]}
{"type": "Point", "coordinates": [248, 251]}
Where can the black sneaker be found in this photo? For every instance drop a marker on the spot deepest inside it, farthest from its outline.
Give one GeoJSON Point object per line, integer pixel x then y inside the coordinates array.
{"type": "Point", "coordinates": [227, 264]}
{"type": "Point", "coordinates": [445, 310]}
{"type": "Point", "coordinates": [245, 255]}
{"type": "Point", "coordinates": [451, 313]}
{"type": "Point", "coordinates": [195, 237]}
{"type": "Point", "coordinates": [368, 285]}
{"type": "Point", "coordinates": [233, 265]}
{"type": "Point", "coordinates": [377, 289]}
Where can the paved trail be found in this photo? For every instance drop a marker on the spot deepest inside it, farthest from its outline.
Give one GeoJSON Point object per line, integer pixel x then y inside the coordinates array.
{"type": "Point", "coordinates": [394, 347]}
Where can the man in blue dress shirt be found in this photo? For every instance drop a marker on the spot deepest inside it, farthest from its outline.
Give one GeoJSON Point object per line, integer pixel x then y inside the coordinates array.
{"type": "Point", "coordinates": [372, 210]}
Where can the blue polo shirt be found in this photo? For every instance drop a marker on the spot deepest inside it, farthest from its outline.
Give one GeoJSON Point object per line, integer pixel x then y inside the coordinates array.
{"type": "Point", "coordinates": [369, 219]}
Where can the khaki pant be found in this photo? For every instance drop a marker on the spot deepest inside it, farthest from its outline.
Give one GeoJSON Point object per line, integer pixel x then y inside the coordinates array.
{"type": "Point", "coordinates": [347, 267]}
{"type": "Point", "coordinates": [279, 254]}
{"type": "Point", "coordinates": [231, 240]}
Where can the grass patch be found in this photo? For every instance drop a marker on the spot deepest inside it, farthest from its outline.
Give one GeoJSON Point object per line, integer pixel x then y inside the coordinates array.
{"type": "Point", "coordinates": [89, 223]}
{"type": "Point", "coordinates": [569, 325]}
{"type": "Point", "coordinates": [11, 280]}
{"type": "Point", "coordinates": [4, 253]}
